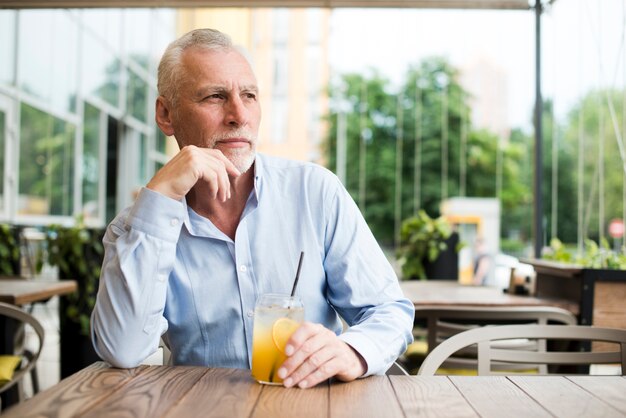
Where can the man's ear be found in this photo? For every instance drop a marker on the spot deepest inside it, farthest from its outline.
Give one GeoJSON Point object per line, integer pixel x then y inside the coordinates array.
{"type": "Point", "coordinates": [163, 116]}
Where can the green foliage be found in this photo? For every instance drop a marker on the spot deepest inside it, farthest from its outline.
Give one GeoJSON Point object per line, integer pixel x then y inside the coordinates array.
{"type": "Point", "coordinates": [422, 239]}
{"type": "Point", "coordinates": [558, 252]}
{"type": "Point", "coordinates": [78, 253]}
{"type": "Point", "coordinates": [46, 166]}
{"type": "Point", "coordinates": [9, 250]}
{"type": "Point", "coordinates": [595, 256]}
{"type": "Point", "coordinates": [589, 126]}
{"type": "Point", "coordinates": [373, 122]}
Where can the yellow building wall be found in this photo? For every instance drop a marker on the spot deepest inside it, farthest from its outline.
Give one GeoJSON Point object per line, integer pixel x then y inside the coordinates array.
{"type": "Point", "coordinates": [236, 22]}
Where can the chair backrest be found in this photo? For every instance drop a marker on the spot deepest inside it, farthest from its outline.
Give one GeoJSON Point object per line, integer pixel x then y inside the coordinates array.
{"type": "Point", "coordinates": [15, 313]}
{"type": "Point", "coordinates": [484, 337]}
{"type": "Point", "coordinates": [444, 322]}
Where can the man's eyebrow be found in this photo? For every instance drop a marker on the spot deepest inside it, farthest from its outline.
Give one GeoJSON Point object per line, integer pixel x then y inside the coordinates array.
{"type": "Point", "coordinates": [250, 87]}
{"type": "Point", "coordinates": [202, 91]}
{"type": "Point", "coordinates": [212, 89]}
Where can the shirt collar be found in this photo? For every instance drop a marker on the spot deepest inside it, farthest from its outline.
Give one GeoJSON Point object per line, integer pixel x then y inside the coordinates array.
{"type": "Point", "coordinates": [259, 164]}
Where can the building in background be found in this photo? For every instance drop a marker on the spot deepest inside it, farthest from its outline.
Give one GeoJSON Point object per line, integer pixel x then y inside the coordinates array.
{"type": "Point", "coordinates": [487, 84]}
{"type": "Point", "coordinates": [77, 93]}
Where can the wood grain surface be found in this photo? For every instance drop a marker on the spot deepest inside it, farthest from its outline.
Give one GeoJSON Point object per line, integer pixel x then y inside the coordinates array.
{"type": "Point", "coordinates": [184, 391]}
{"type": "Point", "coordinates": [563, 398]}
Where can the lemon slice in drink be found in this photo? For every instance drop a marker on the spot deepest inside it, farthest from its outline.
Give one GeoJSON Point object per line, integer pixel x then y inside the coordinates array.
{"type": "Point", "coordinates": [282, 330]}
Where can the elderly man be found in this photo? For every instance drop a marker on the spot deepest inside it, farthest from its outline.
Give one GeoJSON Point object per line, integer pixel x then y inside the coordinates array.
{"type": "Point", "coordinates": [220, 225]}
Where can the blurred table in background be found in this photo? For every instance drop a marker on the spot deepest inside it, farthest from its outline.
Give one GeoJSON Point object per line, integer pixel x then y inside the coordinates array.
{"type": "Point", "coordinates": [21, 291]}
{"type": "Point", "coordinates": [452, 293]}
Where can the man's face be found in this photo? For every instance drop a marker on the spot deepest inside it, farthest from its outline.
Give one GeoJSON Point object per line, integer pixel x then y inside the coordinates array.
{"type": "Point", "coordinates": [218, 104]}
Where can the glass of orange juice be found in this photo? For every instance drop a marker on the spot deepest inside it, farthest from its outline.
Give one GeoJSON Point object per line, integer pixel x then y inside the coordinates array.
{"type": "Point", "coordinates": [276, 317]}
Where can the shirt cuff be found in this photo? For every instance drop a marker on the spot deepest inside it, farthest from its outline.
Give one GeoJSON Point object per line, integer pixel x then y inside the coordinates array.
{"type": "Point", "coordinates": [157, 215]}
{"type": "Point", "coordinates": [366, 348]}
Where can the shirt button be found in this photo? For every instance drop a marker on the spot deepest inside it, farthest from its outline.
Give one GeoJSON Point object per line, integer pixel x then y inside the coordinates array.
{"type": "Point", "coordinates": [250, 314]}
{"type": "Point", "coordinates": [243, 268]}
{"type": "Point", "coordinates": [174, 222]}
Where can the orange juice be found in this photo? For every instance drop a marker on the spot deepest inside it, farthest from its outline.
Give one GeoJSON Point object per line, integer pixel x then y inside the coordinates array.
{"type": "Point", "coordinates": [276, 317]}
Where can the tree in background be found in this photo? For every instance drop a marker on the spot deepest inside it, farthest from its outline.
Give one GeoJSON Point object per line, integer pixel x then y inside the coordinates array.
{"type": "Point", "coordinates": [431, 93]}
{"type": "Point", "coordinates": [592, 120]}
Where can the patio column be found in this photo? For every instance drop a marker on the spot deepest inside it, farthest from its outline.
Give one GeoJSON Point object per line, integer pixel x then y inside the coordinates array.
{"type": "Point", "coordinates": [538, 177]}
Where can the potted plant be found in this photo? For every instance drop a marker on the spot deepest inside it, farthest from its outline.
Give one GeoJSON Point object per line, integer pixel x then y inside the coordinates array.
{"type": "Point", "coordinates": [428, 248]}
{"type": "Point", "coordinates": [9, 250]}
{"type": "Point", "coordinates": [594, 283]}
{"type": "Point", "coordinates": [77, 251]}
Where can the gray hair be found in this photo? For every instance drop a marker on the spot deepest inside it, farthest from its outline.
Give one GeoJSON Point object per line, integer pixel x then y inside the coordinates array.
{"type": "Point", "coordinates": [169, 74]}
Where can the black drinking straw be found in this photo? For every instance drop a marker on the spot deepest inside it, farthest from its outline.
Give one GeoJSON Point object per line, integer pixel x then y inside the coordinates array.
{"type": "Point", "coordinates": [295, 282]}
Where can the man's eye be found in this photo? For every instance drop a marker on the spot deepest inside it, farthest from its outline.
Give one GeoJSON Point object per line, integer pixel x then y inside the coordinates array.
{"type": "Point", "coordinates": [251, 96]}
{"type": "Point", "coordinates": [215, 96]}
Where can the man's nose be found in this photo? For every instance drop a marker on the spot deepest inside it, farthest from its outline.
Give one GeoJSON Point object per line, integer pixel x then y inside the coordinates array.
{"type": "Point", "coordinates": [236, 112]}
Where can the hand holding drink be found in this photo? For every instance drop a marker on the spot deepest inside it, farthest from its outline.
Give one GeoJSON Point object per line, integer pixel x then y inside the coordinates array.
{"type": "Point", "coordinates": [276, 318]}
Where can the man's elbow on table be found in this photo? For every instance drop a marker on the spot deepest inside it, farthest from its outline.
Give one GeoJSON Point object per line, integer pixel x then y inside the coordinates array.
{"type": "Point", "coordinates": [123, 357]}
{"type": "Point", "coordinates": [120, 352]}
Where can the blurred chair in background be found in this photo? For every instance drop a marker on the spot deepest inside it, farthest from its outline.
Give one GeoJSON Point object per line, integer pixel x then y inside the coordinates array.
{"type": "Point", "coordinates": [490, 353]}
{"type": "Point", "coordinates": [435, 324]}
{"type": "Point", "coordinates": [16, 364]}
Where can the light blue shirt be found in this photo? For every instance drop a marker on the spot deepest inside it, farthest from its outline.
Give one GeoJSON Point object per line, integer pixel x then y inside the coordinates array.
{"type": "Point", "coordinates": [169, 272]}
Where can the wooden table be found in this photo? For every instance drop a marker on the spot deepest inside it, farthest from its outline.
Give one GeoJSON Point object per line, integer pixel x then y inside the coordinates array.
{"type": "Point", "coordinates": [452, 293]}
{"type": "Point", "coordinates": [165, 391]}
{"type": "Point", "coordinates": [24, 291]}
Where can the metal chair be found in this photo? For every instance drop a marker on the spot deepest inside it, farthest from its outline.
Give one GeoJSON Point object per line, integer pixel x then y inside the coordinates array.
{"type": "Point", "coordinates": [483, 337]}
{"type": "Point", "coordinates": [29, 359]}
{"type": "Point", "coordinates": [444, 322]}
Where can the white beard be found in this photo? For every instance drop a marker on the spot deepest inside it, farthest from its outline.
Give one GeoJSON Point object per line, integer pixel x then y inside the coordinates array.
{"type": "Point", "coordinates": [242, 158]}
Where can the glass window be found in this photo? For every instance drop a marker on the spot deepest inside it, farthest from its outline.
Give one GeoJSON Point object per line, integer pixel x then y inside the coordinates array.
{"type": "Point", "coordinates": [137, 34]}
{"type": "Point", "coordinates": [281, 71]}
{"type": "Point", "coordinates": [314, 25]}
{"type": "Point", "coordinates": [279, 94]}
{"type": "Point", "coordinates": [280, 26]}
{"type": "Point", "coordinates": [161, 141]}
{"type": "Point", "coordinates": [7, 46]}
{"type": "Point", "coordinates": [314, 69]}
{"type": "Point", "coordinates": [165, 20]}
{"type": "Point", "coordinates": [279, 120]}
{"type": "Point", "coordinates": [46, 164]}
{"type": "Point", "coordinates": [106, 24]}
{"type": "Point", "coordinates": [101, 71]}
{"type": "Point", "coordinates": [91, 162]}
{"type": "Point", "coordinates": [137, 96]}
{"type": "Point", "coordinates": [49, 40]}
{"type": "Point", "coordinates": [143, 160]}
